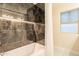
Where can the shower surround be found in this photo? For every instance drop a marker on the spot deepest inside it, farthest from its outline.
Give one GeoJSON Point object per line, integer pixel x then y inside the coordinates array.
{"type": "Point", "coordinates": [21, 24]}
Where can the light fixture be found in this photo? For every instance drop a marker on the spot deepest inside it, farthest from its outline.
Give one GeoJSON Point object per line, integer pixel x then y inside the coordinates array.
{"type": "Point", "coordinates": [34, 3]}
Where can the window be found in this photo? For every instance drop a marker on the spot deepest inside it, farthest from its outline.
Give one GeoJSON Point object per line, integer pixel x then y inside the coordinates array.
{"type": "Point", "coordinates": [69, 21]}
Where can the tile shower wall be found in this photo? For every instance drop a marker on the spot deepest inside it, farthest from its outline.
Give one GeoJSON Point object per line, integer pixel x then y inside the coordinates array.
{"type": "Point", "coordinates": [36, 14]}
{"type": "Point", "coordinates": [21, 24]}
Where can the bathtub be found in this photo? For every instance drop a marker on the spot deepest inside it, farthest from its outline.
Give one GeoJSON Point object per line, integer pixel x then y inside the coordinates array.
{"type": "Point", "coordinates": [39, 50]}
{"type": "Point", "coordinates": [34, 49]}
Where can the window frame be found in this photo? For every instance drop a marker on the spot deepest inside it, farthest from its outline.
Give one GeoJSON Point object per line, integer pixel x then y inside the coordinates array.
{"type": "Point", "coordinates": [69, 22]}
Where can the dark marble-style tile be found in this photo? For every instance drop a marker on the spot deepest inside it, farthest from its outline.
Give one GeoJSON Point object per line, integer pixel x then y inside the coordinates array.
{"type": "Point", "coordinates": [40, 32]}
{"type": "Point", "coordinates": [14, 45]}
{"type": "Point", "coordinates": [36, 14]}
{"type": "Point", "coordinates": [17, 7]}
{"type": "Point", "coordinates": [30, 32]}
{"type": "Point", "coordinates": [10, 46]}
{"type": "Point", "coordinates": [14, 39]}
{"type": "Point", "coordinates": [30, 16]}
{"type": "Point", "coordinates": [0, 12]}
{"type": "Point", "coordinates": [14, 36]}
{"type": "Point", "coordinates": [4, 36]}
{"type": "Point", "coordinates": [20, 8]}
{"type": "Point", "coordinates": [1, 5]}
{"type": "Point", "coordinates": [41, 5]}
{"type": "Point", "coordinates": [4, 31]}
{"type": "Point", "coordinates": [17, 26]}
{"type": "Point", "coordinates": [17, 32]}
{"type": "Point", "coordinates": [4, 24]}
{"type": "Point", "coordinates": [41, 41]}
{"type": "Point", "coordinates": [12, 15]}
{"type": "Point", "coordinates": [14, 10]}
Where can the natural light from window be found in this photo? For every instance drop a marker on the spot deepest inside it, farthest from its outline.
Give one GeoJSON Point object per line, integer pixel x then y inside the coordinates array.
{"type": "Point", "coordinates": [69, 21]}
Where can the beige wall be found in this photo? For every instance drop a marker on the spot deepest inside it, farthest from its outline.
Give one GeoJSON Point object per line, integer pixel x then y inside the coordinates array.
{"type": "Point", "coordinates": [64, 40]}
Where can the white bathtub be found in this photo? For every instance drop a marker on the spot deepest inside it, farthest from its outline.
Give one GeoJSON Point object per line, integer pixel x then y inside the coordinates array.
{"type": "Point", "coordinates": [34, 49]}
{"type": "Point", "coordinates": [39, 50]}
